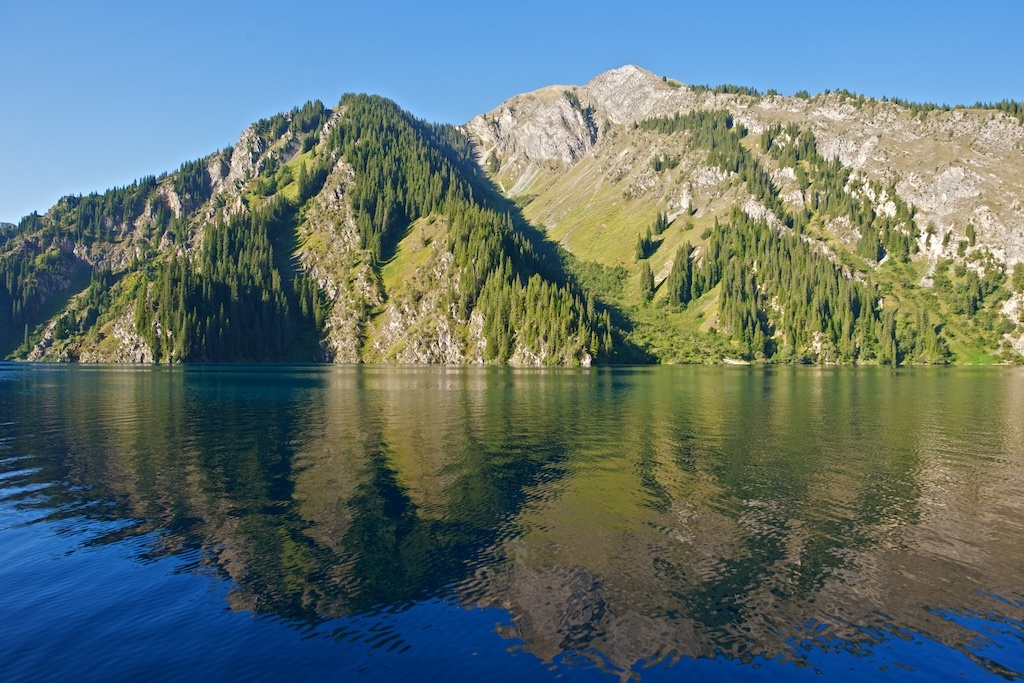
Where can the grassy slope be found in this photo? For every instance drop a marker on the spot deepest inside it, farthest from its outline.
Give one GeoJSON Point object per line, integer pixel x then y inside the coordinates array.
{"type": "Point", "coordinates": [596, 213]}
{"type": "Point", "coordinates": [593, 211]}
{"type": "Point", "coordinates": [406, 276]}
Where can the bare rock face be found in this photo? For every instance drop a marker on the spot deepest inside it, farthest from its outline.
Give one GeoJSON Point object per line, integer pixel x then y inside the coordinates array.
{"type": "Point", "coordinates": [631, 94]}
{"type": "Point", "coordinates": [541, 126]}
{"type": "Point", "coordinates": [217, 170]}
{"type": "Point", "coordinates": [133, 348]}
{"type": "Point", "coordinates": [332, 255]}
{"type": "Point", "coordinates": [120, 344]}
{"type": "Point", "coordinates": [424, 332]}
{"type": "Point", "coordinates": [247, 157]}
{"type": "Point", "coordinates": [421, 322]}
{"type": "Point", "coordinates": [166, 195]}
{"type": "Point", "coordinates": [548, 125]}
{"type": "Point", "coordinates": [957, 167]}
{"type": "Point", "coordinates": [42, 348]}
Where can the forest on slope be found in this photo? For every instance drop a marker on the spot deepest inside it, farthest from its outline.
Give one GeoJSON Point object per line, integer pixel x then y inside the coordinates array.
{"type": "Point", "coordinates": [213, 263]}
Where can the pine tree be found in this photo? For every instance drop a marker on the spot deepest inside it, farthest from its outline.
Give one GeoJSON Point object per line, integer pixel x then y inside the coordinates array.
{"type": "Point", "coordinates": [660, 223]}
{"type": "Point", "coordinates": [646, 281]}
{"type": "Point", "coordinates": [680, 279]}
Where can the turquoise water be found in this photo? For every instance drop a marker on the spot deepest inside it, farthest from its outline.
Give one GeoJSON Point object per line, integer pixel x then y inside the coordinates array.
{"type": "Point", "coordinates": [268, 523]}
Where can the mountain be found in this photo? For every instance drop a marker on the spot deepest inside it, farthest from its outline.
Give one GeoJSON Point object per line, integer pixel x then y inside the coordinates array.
{"type": "Point", "coordinates": [633, 219]}
{"type": "Point", "coordinates": [345, 234]}
{"type": "Point", "coordinates": [916, 210]}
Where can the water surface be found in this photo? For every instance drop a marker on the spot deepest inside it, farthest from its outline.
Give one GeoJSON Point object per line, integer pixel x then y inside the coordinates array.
{"type": "Point", "coordinates": [469, 524]}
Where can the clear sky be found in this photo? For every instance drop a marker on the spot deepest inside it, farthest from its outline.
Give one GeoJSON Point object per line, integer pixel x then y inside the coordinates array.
{"type": "Point", "coordinates": [96, 94]}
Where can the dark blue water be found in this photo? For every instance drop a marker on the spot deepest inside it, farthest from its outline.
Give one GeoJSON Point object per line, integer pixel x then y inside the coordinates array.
{"type": "Point", "coordinates": [487, 524]}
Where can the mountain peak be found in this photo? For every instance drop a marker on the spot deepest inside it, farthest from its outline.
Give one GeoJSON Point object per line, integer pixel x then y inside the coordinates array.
{"type": "Point", "coordinates": [628, 73]}
{"type": "Point", "coordinates": [630, 93]}
{"type": "Point", "coordinates": [625, 71]}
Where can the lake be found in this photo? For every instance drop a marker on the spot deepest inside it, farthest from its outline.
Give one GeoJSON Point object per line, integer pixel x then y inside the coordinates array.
{"type": "Point", "coordinates": [464, 524]}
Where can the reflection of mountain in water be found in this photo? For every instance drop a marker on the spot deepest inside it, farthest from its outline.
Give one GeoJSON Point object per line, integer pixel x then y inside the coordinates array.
{"type": "Point", "coordinates": [758, 515]}
{"type": "Point", "coordinates": [634, 517]}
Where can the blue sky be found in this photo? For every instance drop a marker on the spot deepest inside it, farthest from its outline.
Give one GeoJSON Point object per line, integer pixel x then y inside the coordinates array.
{"type": "Point", "coordinates": [94, 95]}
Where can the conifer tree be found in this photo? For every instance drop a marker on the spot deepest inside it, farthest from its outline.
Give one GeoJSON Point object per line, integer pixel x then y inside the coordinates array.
{"type": "Point", "coordinates": [646, 281]}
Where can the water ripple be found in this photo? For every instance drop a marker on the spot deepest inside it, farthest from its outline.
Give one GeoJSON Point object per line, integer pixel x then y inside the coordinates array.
{"type": "Point", "coordinates": [627, 524]}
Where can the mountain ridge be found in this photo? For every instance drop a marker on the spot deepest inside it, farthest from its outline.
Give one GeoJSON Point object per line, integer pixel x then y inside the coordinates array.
{"type": "Point", "coordinates": [630, 94]}
{"type": "Point", "coordinates": [370, 257]}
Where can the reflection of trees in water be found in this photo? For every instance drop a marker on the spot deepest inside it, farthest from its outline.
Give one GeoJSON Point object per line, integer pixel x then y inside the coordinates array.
{"type": "Point", "coordinates": [306, 491]}
{"type": "Point", "coordinates": [628, 516]}
{"type": "Point", "coordinates": [771, 502]}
